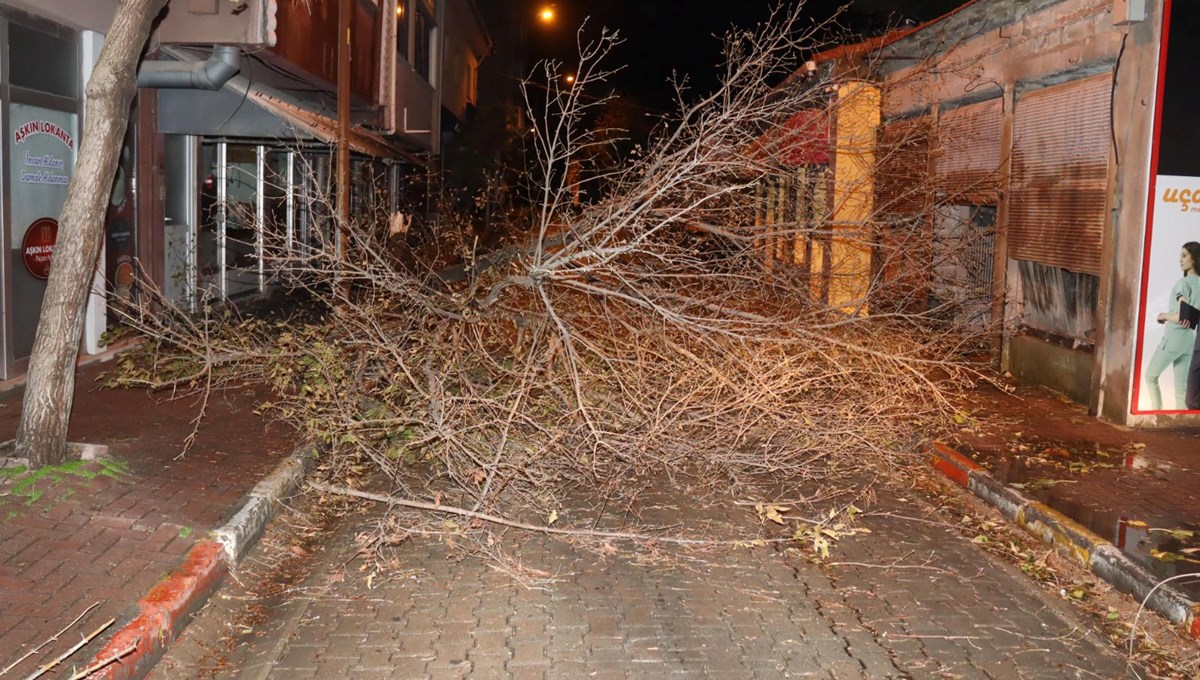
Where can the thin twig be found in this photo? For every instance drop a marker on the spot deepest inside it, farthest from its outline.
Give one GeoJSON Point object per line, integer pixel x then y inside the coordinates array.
{"type": "Point", "coordinates": [54, 638]}
{"type": "Point", "coordinates": [75, 648]}
{"type": "Point", "coordinates": [113, 658]}
{"type": "Point", "coordinates": [493, 519]}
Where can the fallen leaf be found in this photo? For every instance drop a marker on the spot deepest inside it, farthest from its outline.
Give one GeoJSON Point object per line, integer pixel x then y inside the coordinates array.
{"type": "Point", "coordinates": [773, 513]}
{"type": "Point", "coordinates": [821, 545]}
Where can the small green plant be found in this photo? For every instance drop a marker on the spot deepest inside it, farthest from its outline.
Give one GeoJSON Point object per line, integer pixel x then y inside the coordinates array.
{"type": "Point", "coordinates": [32, 485]}
{"type": "Point", "coordinates": [14, 471]}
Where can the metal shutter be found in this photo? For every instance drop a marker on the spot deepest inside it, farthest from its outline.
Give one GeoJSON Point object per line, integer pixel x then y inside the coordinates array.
{"type": "Point", "coordinates": [967, 165]}
{"type": "Point", "coordinates": [901, 186]}
{"type": "Point", "coordinates": [1060, 174]}
{"type": "Point", "coordinates": [903, 205]}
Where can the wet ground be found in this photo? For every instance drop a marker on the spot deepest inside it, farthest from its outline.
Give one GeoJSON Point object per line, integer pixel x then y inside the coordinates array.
{"type": "Point", "coordinates": [1139, 489]}
{"type": "Point", "coordinates": [88, 540]}
{"type": "Point", "coordinates": [912, 598]}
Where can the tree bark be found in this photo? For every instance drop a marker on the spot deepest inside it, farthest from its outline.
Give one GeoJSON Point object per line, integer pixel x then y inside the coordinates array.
{"type": "Point", "coordinates": [46, 410]}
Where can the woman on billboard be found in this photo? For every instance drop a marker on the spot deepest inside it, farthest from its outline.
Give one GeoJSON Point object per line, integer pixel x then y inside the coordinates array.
{"type": "Point", "coordinates": [1179, 338]}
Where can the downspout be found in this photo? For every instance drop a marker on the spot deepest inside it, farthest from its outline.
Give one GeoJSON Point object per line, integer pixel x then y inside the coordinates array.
{"type": "Point", "coordinates": [441, 90]}
{"type": "Point", "coordinates": [201, 75]}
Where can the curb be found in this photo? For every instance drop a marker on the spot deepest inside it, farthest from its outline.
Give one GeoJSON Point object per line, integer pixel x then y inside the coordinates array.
{"type": "Point", "coordinates": [168, 607]}
{"type": "Point", "coordinates": [1070, 538]}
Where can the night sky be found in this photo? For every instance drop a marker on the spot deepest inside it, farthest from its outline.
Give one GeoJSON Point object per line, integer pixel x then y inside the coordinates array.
{"type": "Point", "coordinates": [662, 36]}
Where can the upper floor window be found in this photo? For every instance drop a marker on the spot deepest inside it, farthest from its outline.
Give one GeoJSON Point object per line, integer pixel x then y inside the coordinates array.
{"type": "Point", "coordinates": [423, 28]}
{"type": "Point", "coordinates": [402, 28]}
{"type": "Point", "coordinates": [415, 36]}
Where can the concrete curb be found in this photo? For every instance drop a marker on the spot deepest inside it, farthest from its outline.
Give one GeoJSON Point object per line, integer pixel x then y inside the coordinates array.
{"type": "Point", "coordinates": [167, 609]}
{"type": "Point", "coordinates": [1069, 538]}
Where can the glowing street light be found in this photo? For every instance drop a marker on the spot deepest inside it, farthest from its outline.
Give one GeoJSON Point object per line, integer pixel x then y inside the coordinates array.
{"type": "Point", "coordinates": [547, 14]}
{"type": "Point", "coordinates": [570, 79]}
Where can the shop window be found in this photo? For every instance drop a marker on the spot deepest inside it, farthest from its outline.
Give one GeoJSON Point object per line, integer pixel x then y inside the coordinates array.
{"type": "Point", "coordinates": [241, 226]}
{"type": "Point", "coordinates": [40, 166]}
{"type": "Point", "coordinates": [43, 62]}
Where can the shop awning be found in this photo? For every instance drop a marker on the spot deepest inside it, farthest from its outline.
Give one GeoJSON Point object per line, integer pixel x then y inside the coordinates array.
{"type": "Point", "coordinates": [804, 139]}
{"type": "Point", "coordinates": [245, 109]}
{"type": "Point", "coordinates": [317, 126]}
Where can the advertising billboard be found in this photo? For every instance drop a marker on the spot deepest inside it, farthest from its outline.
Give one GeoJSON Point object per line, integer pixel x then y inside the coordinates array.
{"type": "Point", "coordinates": [1167, 363]}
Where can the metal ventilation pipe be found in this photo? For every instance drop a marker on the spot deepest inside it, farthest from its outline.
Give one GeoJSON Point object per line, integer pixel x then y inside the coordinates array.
{"type": "Point", "coordinates": [199, 75]}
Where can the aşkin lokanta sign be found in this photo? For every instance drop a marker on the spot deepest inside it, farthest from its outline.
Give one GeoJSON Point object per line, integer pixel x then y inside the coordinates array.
{"type": "Point", "coordinates": [37, 247]}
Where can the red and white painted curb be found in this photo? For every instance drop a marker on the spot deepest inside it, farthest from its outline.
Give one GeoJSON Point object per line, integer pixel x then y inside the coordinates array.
{"type": "Point", "coordinates": [167, 609]}
{"type": "Point", "coordinates": [1069, 537]}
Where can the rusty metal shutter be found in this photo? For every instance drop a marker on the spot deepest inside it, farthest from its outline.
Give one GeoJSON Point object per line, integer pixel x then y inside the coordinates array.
{"type": "Point", "coordinates": [967, 165]}
{"type": "Point", "coordinates": [901, 181]}
{"type": "Point", "coordinates": [1060, 174]}
{"type": "Point", "coordinates": [903, 207]}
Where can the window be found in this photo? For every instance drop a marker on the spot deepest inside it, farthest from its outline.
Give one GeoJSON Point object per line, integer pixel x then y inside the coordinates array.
{"type": "Point", "coordinates": [423, 43]}
{"type": "Point", "coordinates": [43, 62]}
{"type": "Point", "coordinates": [402, 30]}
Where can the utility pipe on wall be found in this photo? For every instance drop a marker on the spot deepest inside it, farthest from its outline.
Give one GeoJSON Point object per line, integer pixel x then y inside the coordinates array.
{"type": "Point", "coordinates": [201, 75]}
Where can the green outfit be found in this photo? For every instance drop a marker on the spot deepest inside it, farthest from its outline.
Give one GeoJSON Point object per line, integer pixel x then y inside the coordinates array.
{"type": "Point", "coordinates": [1175, 350]}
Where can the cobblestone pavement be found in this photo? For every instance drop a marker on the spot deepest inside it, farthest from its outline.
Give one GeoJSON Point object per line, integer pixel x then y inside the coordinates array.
{"type": "Point", "coordinates": [911, 599]}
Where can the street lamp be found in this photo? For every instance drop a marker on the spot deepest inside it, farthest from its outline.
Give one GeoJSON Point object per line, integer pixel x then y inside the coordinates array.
{"type": "Point", "coordinates": [570, 78]}
{"type": "Point", "coordinates": [547, 14]}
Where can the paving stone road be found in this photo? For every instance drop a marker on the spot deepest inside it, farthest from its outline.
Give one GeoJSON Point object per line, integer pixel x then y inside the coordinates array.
{"type": "Point", "coordinates": [911, 599]}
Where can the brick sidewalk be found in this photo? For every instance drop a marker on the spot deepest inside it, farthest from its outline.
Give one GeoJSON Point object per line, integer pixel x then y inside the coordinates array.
{"type": "Point", "coordinates": [1118, 482]}
{"type": "Point", "coordinates": [105, 532]}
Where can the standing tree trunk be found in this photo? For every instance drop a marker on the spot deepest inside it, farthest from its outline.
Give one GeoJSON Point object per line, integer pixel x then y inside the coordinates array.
{"type": "Point", "coordinates": [46, 411]}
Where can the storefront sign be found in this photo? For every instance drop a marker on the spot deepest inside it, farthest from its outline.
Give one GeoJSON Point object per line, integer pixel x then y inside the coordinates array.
{"type": "Point", "coordinates": [1167, 360]}
{"type": "Point", "coordinates": [37, 247]}
{"type": "Point", "coordinates": [43, 127]}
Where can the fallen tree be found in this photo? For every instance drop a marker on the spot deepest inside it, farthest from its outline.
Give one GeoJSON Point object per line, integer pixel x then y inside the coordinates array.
{"type": "Point", "coordinates": [649, 329]}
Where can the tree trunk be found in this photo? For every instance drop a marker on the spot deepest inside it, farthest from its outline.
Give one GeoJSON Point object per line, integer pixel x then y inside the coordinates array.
{"type": "Point", "coordinates": [46, 411]}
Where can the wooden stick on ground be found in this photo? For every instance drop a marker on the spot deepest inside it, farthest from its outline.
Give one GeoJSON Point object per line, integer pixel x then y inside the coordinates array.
{"type": "Point", "coordinates": [78, 645]}
{"type": "Point", "coordinates": [116, 656]}
{"type": "Point", "coordinates": [53, 638]}
{"type": "Point", "coordinates": [588, 533]}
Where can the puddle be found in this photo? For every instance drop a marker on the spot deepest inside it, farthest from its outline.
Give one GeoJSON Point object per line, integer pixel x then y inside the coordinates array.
{"type": "Point", "coordinates": [1115, 493]}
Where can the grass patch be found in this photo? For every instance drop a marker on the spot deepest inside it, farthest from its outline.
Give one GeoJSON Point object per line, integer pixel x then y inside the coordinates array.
{"type": "Point", "coordinates": [11, 472]}
{"type": "Point", "coordinates": [111, 467]}
{"type": "Point", "coordinates": [31, 484]}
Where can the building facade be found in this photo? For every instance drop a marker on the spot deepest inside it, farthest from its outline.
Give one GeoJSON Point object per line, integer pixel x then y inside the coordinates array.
{"type": "Point", "coordinates": [231, 141]}
{"type": "Point", "coordinates": [1051, 141]}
